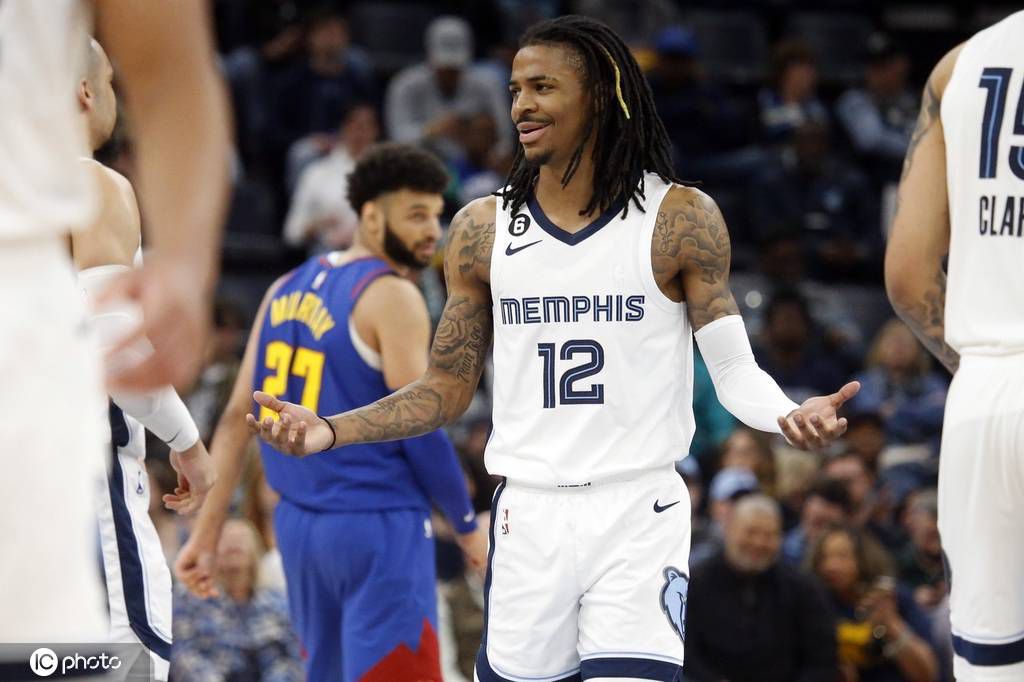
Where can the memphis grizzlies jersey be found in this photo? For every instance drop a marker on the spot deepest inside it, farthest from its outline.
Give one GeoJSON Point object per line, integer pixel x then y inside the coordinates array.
{"type": "Point", "coordinates": [307, 355]}
{"type": "Point", "coordinates": [983, 125]}
{"type": "Point", "coordinates": [43, 188]}
{"type": "Point", "coordinates": [593, 364]}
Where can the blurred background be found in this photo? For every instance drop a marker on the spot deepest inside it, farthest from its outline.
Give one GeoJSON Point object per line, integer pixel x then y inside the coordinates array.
{"type": "Point", "coordinates": [795, 117]}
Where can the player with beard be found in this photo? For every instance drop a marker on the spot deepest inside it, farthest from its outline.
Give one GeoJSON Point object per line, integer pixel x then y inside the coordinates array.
{"type": "Point", "coordinates": [353, 526]}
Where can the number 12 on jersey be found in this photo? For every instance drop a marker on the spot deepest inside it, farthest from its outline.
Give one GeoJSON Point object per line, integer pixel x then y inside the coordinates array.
{"type": "Point", "coordinates": [566, 393]}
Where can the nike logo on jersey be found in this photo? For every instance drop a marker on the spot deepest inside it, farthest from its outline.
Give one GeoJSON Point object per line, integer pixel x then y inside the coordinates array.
{"type": "Point", "coordinates": [658, 508]}
{"type": "Point", "coordinates": [509, 251]}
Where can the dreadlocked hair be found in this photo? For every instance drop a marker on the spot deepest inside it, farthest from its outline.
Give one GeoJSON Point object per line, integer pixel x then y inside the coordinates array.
{"type": "Point", "coordinates": [630, 138]}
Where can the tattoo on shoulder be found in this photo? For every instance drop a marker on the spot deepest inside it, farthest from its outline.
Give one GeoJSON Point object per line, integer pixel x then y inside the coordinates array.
{"type": "Point", "coordinates": [473, 242]}
{"type": "Point", "coordinates": [691, 237]}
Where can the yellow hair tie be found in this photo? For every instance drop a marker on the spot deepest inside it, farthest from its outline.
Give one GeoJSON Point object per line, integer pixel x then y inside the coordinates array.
{"type": "Point", "coordinates": [618, 83]}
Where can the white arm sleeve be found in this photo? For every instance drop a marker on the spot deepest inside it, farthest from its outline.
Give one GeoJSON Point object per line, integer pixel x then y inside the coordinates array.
{"type": "Point", "coordinates": [162, 410]}
{"type": "Point", "coordinates": [742, 387]}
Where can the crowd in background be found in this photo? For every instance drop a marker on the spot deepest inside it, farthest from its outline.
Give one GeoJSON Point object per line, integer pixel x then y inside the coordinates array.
{"type": "Point", "coordinates": [804, 565]}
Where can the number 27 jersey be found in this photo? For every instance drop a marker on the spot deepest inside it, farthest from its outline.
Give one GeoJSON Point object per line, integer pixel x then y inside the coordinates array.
{"type": "Point", "coordinates": [593, 364]}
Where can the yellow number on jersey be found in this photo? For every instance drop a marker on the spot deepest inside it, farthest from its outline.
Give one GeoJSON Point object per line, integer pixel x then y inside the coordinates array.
{"type": "Point", "coordinates": [309, 364]}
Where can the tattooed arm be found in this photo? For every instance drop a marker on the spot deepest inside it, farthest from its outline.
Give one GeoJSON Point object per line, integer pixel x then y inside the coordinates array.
{"type": "Point", "coordinates": [690, 256]}
{"type": "Point", "coordinates": [919, 239]}
{"type": "Point", "coordinates": [457, 357]}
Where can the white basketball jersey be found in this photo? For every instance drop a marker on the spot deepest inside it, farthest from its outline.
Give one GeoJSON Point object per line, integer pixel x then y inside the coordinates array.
{"type": "Point", "coordinates": [983, 124]}
{"type": "Point", "coordinates": [43, 188]}
{"type": "Point", "coordinates": [593, 373]}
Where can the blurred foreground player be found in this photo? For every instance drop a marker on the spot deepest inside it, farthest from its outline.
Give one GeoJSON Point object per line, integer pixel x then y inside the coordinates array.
{"type": "Point", "coordinates": [353, 526]}
{"type": "Point", "coordinates": [52, 476]}
{"type": "Point", "coordinates": [962, 198]}
{"type": "Point", "coordinates": [592, 273]}
{"type": "Point", "coordinates": [137, 577]}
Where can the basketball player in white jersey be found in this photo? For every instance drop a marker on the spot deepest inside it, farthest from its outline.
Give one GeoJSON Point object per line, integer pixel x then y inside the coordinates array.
{"type": "Point", "coordinates": [591, 272]}
{"type": "Point", "coordinates": [962, 197]}
{"type": "Point", "coordinates": [136, 572]}
{"type": "Point", "coordinates": [52, 474]}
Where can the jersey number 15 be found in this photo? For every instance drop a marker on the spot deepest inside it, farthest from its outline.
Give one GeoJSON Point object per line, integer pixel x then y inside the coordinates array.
{"type": "Point", "coordinates": [996, 80]}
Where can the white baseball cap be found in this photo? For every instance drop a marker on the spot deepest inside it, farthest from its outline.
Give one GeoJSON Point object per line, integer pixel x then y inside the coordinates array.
{"type": "Point", "coordinates": [449, 42]}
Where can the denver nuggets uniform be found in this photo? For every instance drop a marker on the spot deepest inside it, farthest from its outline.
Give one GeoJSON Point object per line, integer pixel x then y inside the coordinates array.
{"type": "Point", "coordinates": [353, 524]}
{"type": "Point", "coordinates": [50, 584]}
{"type": "Point", "coordinates": [981, 478]}
{"type": "Point", "coordinates": [592, 391]}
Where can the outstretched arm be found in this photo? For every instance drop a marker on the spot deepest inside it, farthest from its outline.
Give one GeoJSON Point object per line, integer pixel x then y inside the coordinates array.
{"type": "Point", "coordinates": [457, 357]}
{"type": "Point", "coordinates": [691, 245]}
{"type": "Point", "coordinates": [919, 241]}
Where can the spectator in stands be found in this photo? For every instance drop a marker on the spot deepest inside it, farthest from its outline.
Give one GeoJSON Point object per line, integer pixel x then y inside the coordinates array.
{"type": "Point", "coordinates": [483, 168]}
{"type": "Point", "coordinates": [883, 635]}
{"type": "Point", "coordinates": [727, 487]}
{"type": "Point", "coordinates": [709, 136]}
{"type": "Point", "coordinates": [244, 632]}
{"type": "Point", "coordinates": [813, 191]}
{"type": "Point", "coordinates": [714, 423]}
{"type": "Point", "coordinates": [791, 100]}
{"type": "Point", "coordinates": [208, 396]}
{"type": "Point", "coordinates": [320, 217]}
{"type": "Point", "coordinates": [920, 562]}
{"type": "Point", "coordinates": [258, 504]}
{"type": "Point", "coordinates": [901, 386]}
{"type": "Point", "coordinates": [426, 102]}
{"type": "Point", "coordinates": [865, 437]}
{"type": "Point", "coordinates": [752, 618]}
{"type": "Point", "coordinates": [312, 96]}
{"type": "Point", "coordinates": [789, 351]}
{"type": "Point", "coordinates": [752, 450]}
{"type": "Point", "coordinates": [879, 116]}
{"type": "Point", "coordinates": [827, 504]}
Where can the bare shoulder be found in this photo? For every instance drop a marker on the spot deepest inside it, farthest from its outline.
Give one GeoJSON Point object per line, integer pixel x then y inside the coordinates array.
{"type": "Point", "coordinates": [943, 71]}
{"type": "Point", "coordinates": [392, 297]}
{"type": "Point", "coordinates": [471, 240]}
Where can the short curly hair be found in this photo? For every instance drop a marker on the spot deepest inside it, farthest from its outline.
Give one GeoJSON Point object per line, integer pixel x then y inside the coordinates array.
{"type": "Point", "coordinates": [391, 167]}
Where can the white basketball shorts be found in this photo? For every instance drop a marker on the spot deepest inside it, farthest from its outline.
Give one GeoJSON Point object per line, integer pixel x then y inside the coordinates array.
{"type": "Point", "coordinates": [138, 578]}
{"type": "Point", "coordinates": [981, 506]}
{"type": "Point", "coordinates": [587, 583]}
{"type": "Point", "coordinates": [52, 451]}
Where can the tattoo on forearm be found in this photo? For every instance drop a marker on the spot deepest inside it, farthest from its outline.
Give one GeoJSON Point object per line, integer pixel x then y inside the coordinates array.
{"type": "Point", "coordinates": [412, 411]}
{"type": "Point", "coordinates": [692, 237]}
{"type": "Point", "coordinates": [926, 318]}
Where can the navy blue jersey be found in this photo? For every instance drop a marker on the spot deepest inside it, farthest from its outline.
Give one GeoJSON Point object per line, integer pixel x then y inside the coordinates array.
{"type": "Point", "coordinates": [306, 356]}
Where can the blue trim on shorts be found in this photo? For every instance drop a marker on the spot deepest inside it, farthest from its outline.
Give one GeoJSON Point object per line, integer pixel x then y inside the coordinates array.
{"type": "Point", "coordinates": [989, 654]}
{"type": "Point", "coordinates": [132, 576]}
{"type": "Point", "coordinates": [643, 668]}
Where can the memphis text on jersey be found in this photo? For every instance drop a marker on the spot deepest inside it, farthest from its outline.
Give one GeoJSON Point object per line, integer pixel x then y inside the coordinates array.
{"type": "Point", "coordinates": [557, 309]}
{"type": "Point", "coordinates": [304, 307]}
{"type": "Point", "coordinates": [1001, 216]}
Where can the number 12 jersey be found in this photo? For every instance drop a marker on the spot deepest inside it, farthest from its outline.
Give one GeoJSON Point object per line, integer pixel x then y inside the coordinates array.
{"type": "Point", "coordinates": [593, 364]}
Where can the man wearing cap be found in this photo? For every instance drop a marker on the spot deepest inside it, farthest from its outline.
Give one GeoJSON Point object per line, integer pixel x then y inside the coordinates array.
{"type": "Point", "coordinates": [426, 101]}
{"type": "Point", "coordinates": [727, 487]}
{"type": "Point", "coordinates": [879, 116]}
